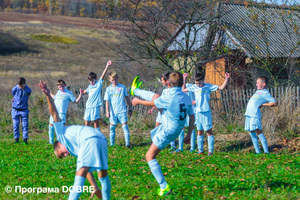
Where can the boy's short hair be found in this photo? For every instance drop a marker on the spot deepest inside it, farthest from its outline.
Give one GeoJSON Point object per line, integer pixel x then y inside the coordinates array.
{"type": "Point", "coordinates": [165, 76]}
{"type": "Point", "coordinates": [113, 75]}
{"type": "Point", "coordinates": [56, 148]}
{"type": "Point", "coordinates": [175, 79]}
{"type": "Point", "coordinates": [61, 82]}
{"type": "Point", "coordinates": [21, 81]}
{"type": "Point", "coordinates": [92, 76]}
{"type": "Point", "coordinates": [199, 77]}
{"type": "Point", "coordinates": [264, 79]}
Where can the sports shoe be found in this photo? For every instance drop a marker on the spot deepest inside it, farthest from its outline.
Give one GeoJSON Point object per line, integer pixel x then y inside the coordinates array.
{"type": "Point", "coordinates": [16, 141]}
{"type": "Point", "coordinates": [164, 192]}
{"type": "Point", "coordinates": [135, 84]}
{"type": "Point", "coordinates": [172, 149]}
{"type": "Point", "coordinates": [25, 141]}
{"type": "Point", "coordinates": [128, 146]}
{"type": "Point", "coordinates": [200, 153]}
{"type": "Point", "coordinates": [192, 150]}
{"type": "Point", "coordinates": [177, 151]}
{"type": "Point", "coordinates": [210, 154]}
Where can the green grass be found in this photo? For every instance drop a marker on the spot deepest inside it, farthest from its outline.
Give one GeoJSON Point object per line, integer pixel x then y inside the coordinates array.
{"type": "Point", "coordinates": [232, 175]}
{"type": "Point", "coordinates": [54, 38]}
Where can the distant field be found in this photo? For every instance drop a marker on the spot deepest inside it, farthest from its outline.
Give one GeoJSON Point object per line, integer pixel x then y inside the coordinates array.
{"type": "Point", "coordinates": [55, 60]}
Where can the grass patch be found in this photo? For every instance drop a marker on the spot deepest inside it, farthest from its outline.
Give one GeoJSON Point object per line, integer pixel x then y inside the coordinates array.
{"type": "Point", "coordinates": [54, 38]}
{"type": "Point", "coordinates": [232, 175]}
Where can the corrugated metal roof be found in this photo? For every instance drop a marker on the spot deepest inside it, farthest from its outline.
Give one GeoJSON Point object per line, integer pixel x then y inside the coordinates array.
{"type": "Point", "coordinates": [258, 31]}
{"type": "Point", "coordinates": [263, 31]}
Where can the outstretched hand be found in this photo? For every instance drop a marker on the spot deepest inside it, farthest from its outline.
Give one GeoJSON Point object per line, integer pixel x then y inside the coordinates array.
{"type": "Point", "coordinates": [109, 63]}
{"type": "Point", "coordinates": [185, 75]}
{"type": "Point", "coordinates": [81, 91]}
{"type": "Point", "coordinates": [44, 88]}
{"type": "Point", "coordinates": [227, 75]}
{"type": "Point", "coordinates": [135, 101]}
{"type": "Point", "coordinates": [97, 193]}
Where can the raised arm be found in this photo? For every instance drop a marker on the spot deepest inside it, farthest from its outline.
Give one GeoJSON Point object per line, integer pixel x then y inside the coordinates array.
{"type": "Point", "coordinates": [51, 105]}
{"type": "Point", "coordinates": [105, 70]}
{"type": "Point", "coordinates": [80, 95]}
{"type": "Point", "coordinates": [227, 75]}
{"type": "Point", "coordinates": [184, 81]}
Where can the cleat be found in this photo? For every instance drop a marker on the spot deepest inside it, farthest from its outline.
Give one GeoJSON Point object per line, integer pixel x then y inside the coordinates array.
{"type": "Point", "coordinates": [177, 151]}
{"type": "Point", "coordinates": [25, 141]}
{"type": "Point", "coordinates": [172, 149]}
{"type": "Point", "coordinates": [164, 192]}
{"type": "Point", "coordinates": [135, 84]}
{"type": "Point", "coordinates": [128, 146]}
{"type": "Point", "coordinates": [16, 141]}
{"type": "Point", "coordinates": [200, 153]}
{"type": "Point", "coordinates": [210, 154]}
{"type": "Point", "coordinates": [192, 150]}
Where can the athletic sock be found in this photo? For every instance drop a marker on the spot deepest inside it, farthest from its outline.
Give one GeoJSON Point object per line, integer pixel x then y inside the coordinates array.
{"type": "Point", "coordinates": [255, 141]}
{"type": "Point", "coordinates": [126, 134]}
{"type": "Point", "coordinates": [264, 143]}
{"type": "Point", "coordinates": [51, 134]}
{"type": "Point", "coordinates": [173, 144]}
{"type": "Point", "coordinates": [211, 141]}
{"type": "Point", "coordinates": [105, 187]}
{"type": "Point", "coordinates": [147, 95]}
{"type": "Point", "coordinates": [112, 134]}
{"type": "Point", "coordinates": [200, 139]}
{"type": "Point", "coordinates": [180, 140]}
{"type": "Point", "coordinates": [157, 173]}
{"type": "Point", "coordinates": [193, 139]}
{"type": "Point", "coordinates": [78, 186]}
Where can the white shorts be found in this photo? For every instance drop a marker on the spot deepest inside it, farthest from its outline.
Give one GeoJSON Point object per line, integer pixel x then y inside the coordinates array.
{"type": "Point", "coordinates": [62, 116]}
{"type": "Point", "coordinates": [93, 154]}
{"type": "Point", "coordinates": [161, 136]}
{"type": "Point", "coordinates": [91, 114]}
{"type": "Point", "coordinates": [204, 121]}
{"type": "Point", "coordinates": [252, 123]}
{"type": "Point", "coordinates": [121, 118]}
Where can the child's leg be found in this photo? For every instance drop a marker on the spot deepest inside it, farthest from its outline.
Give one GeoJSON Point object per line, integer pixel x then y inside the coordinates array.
{"type": "Point", "coordinates": [51, 133]}
{"type": "Point", "coordinates": [147, 95]}
{"type": "Point", "coordinates": [112, 134]}
{"type": "Point", "coordinates": [255, 141]}
{"type": "Point", "coordinates": [97, 124]}
{"type": "Point", "coordinates": [173, 147]}
{"type": "Point", "coordinates": [105, 184]}
{"type": "Point", "coordinates": [16, 123]}
{"type": "Point", "coordinates": [263, 140]}
{"type": "Point", "coordinates": [126, 134]}
{"type": "Point", "coordinates": [80, 177]}
{"type": "Point", "coordinates": [24, 117]}
{"type": "Point", "coordinates": [180, 140]}
{"type": "Point", "coordinates": [154, 166]}
{"type": "Point", "coordinates": [193, 139]}
{"type": "Point", "coordinates": [210, 141]}
{"type": "Point", "coordinates": [200, 139]}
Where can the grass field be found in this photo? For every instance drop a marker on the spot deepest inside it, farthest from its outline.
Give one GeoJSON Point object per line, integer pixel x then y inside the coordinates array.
{"type": "Point", "coordinates": [225, 175]}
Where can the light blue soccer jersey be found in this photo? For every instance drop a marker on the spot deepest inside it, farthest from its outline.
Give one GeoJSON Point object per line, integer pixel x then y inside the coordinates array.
{"type": "Point", "coordinates": [162, 114]}
{"type": "Point", "coordinates": [94, 92]}
{"type": "Point", "coordinates": [177, 106]}
{"type": "Point", "coordinates": [258, 98]}
{"type": "Point", "coordinates": [62, 100]}
{"type": "Point", "coordinates": [116, 96]}
{"type": "Point", "coordinates": [72, 136]}
{"type": "Point", "coordinates": [202, 95]}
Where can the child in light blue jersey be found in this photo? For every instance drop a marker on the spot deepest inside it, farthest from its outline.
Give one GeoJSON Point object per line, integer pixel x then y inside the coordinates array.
{"type": "Point", "coordinates": [20, 94]}
{"type": "Point", "coordinates": [193, 135]}
{"type": "Point", "coordinates": [89, 145]}
{"type": "Point", "coordinates": [94, 102]}
{"type": "Point", "coordinates": [61, 101]}
{"type": "Point", "coordinates": [177, 106]}
{"type": "Point", "coordinates": [115, 96]}
{"type": "Point", "coordinates": [261, 97]}
{"type": "Point", "coordinates": [202, 92]}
